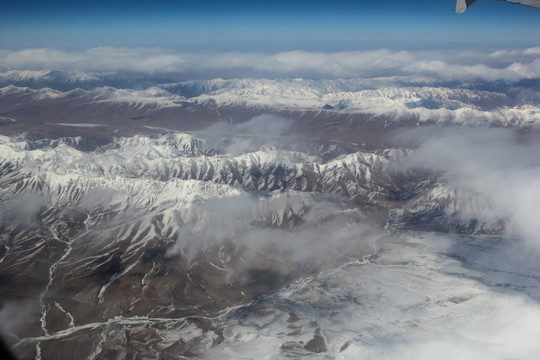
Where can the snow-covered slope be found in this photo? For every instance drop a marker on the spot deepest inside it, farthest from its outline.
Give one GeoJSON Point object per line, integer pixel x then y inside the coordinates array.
{"type": "Point", "coordinates": [378, 97]}
{"type": "Point", "coordinates": [374, 96]}
{"type": "Point", "coordinates": [176, 157]}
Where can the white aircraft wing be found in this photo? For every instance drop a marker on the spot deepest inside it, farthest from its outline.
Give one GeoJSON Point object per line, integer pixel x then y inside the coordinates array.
{"type": "Point", "coordinates": [462, 5]}
{"type": "Point", "coordinates": [533, 3]}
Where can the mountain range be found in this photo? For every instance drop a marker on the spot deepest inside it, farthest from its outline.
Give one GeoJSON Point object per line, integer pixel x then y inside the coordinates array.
{"type": "Point", "coordinates": [257, 218]}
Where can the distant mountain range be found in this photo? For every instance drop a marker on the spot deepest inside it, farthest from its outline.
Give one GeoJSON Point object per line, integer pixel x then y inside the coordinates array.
{"type": "Point", "coordinates": [40, 99]}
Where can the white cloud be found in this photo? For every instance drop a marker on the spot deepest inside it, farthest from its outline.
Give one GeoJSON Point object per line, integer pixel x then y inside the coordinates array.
{"type": "Point", "coordinates": [496, 177]}
{"type": "Point", "coordinates": [239, 138]}
{"type": "Point", "coordinates": [451, 65]}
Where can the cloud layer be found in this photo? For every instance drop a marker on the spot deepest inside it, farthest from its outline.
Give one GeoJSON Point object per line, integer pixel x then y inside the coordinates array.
{"type": "Point", "coordinates": [445, 64]}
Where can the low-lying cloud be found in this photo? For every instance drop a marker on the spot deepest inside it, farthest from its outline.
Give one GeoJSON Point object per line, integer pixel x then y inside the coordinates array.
{"type": "Point", "coordinates": [238, 138]}
{"type": "Point", "coordinates": [22, 209]}
{"type": "Point", "coordinates": [494, 175]}
{"type": "Point", "coordinates": [294, 228]}
{"type": "Point", "coordinates": [445, 64]}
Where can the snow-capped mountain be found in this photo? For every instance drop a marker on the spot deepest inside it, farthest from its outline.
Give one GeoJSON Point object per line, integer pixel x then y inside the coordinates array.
{"type": "Point", "coordinates": [66, 80]}
{"type": "Point", "coordinates": [389, 98]}
{"type": "Point", "coordinates": [59, 80]}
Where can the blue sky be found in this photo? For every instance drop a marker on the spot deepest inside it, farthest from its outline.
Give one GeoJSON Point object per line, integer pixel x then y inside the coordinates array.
{"type": "Point", "coordinates": [267, 25]}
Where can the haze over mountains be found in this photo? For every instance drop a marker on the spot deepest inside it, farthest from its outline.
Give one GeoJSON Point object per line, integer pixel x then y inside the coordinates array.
{"type": "Point", "coordinates": [358, 205]}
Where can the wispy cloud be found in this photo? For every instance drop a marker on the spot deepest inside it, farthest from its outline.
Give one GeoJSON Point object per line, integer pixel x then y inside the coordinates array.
{"type": "Point", "coordinates": [495, 177]}
{"type": "Point", "coordinates": [239, 138]}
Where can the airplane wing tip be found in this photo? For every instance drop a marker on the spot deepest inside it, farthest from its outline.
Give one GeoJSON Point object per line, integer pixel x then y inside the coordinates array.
{"type": "Point", "coordinates": [462, 5]}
